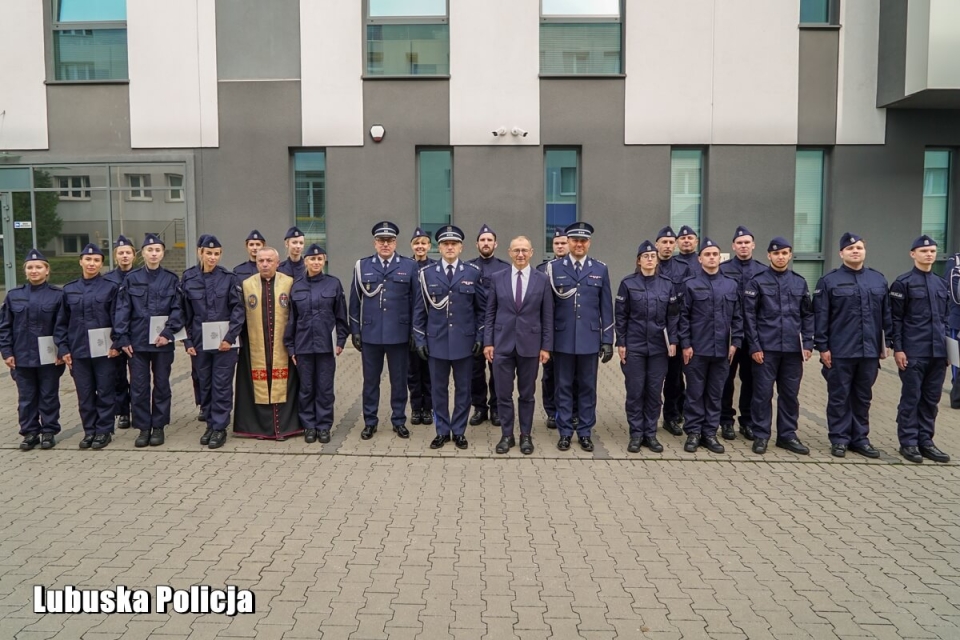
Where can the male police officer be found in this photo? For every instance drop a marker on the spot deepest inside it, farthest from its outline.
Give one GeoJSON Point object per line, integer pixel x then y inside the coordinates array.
{"type": "Point", "coordinates": [583, 331]}
{"type": "Point", "coordinates": [124, 255]}
{"type": "Point", "coordinates": [294, 241]}
{"type": "Point", "coordinates": [448, 328]}
{"type": "Point", "coordinates": [489, 264]}
{"type": "Point", "coordinates": [255, 242]}
{"type": "Point", "coordinates": [687, 241]}
{"type": "Point", "coordinates": [547, 384]}
{"type": "Point", "coordinates": [778, 318]}
{"type": "Point", "coordinates": [381, 311]}
{"type": "Point", "coordinates": [418, 378]}
{"type": "Point", "coordinates": [952, 276]}
{"type": "Point", "coordinates": [677, 270]}
{"type": "Point", "coordinates": [918, 306]}
{"type": "Point", "coordinates": [851, 317]}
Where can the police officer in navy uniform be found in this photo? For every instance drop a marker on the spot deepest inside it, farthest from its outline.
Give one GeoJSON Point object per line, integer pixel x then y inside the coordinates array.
{"type": "Point", "coordinates": [381, 313]}
{"type": "Point", "coordinates": [778, 319]}
{"type": "Point", "coordinates": [255, 241]}
{"type": "Point", "coordinates": [30, 312]}
{"type": "Point", "coordinates": [147, 293]}
{"type": "Point", "coordinates": [646, 312]}
{"type": "Point", "coordinates": [190, 272]}
{"type": "Point", "coordinates": [418, 378]}
{"type": "Point", "coordinates": [583, 332]}
{"type": "Point", "coordinates": [211, 294]}
{"type": "Point", "coordinates": [851, 318]}
{"type": "Point", "coordinates": [743, 268]}
{"type": "Point", "coordinates": [89, 304]}
{"type": "Point", "coordinates": [294, 241]}
{"type": "Point", "coordinates": [711, 331]}
{"type": "Point", "coordinates": [547, 383]}
{"type": "Point", "coordinates": [124, 255]}
{"type": "Point", "coordinates": [318, 308]}
{"type": "Point", "coordinates": [952, 277]}
{"type": "Point", "coordinates": [687, 241]}
{"type": "Point", "coordinates": [918, 307]}
{"type": "Point", "coordinates": [677, 271]}
{"type": "Point", "coordinates": [489, 264]}
{"type": "Point", "coordinates": [448, 322]}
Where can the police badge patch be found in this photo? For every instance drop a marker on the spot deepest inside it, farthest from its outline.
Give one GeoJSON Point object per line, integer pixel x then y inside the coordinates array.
{"type": "Point", "coordinates": [284, 300]}
{"type": "Point", "coordinates": [252, 301]}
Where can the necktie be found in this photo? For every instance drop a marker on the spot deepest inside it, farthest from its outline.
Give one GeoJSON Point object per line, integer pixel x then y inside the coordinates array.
{"type": "Point", "coordinates": [518, 299]}
{"type": "Point", "coordinates": [576, 267]}
{"type": "Point", "coordinates": [449, 273]}
{"type": "Point", "coordinates": [385, 265]}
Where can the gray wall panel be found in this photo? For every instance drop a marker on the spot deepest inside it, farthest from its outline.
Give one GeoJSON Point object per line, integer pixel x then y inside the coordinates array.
{"type": "Point", "coordinates": [88, 120]}
{"type": "Point", "coordinates": [892, 52]}
{"type": "Point", "coordinates": [817, 108]}
{"type": "Point", "coordinates": [258, 40]}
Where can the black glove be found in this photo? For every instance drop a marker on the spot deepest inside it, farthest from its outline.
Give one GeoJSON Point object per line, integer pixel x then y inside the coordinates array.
{"type": "Point", "coordinates": [356, 342]}
{"type": "Point", "coordinates": [423, 352]}
{"type": "Point", "coordinates": [412, 343]}
{"type": "Point", "coordinates": [606, 352]}
{"type": "Point", "coordinates": [477, 348]}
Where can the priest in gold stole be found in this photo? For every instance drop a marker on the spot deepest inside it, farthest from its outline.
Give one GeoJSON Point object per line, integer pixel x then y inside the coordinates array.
{"type": "Point", "coordinates": [266, 404]}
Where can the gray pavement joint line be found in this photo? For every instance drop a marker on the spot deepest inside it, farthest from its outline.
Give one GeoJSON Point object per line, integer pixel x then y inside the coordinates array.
{"type": "Point", "coordinates": [339, 434]}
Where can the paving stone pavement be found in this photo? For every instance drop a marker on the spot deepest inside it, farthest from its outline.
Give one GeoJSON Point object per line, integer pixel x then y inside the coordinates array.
{"type": "Point", "coordinates": [382, 541]}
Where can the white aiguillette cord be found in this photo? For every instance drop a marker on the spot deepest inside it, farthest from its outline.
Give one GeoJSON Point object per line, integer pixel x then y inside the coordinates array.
{"type": "Point", "coordinates": [442, 304]}
{"type": "Point", "coordinates": [562, 296]}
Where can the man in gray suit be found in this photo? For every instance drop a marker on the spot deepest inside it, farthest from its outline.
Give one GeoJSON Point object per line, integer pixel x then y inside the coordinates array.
{"type": "Point", "coordinates": [518, 337]}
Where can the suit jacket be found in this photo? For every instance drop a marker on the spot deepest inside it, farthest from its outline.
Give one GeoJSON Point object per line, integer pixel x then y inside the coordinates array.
{"type": "Point", "coordinates": [529, 329]}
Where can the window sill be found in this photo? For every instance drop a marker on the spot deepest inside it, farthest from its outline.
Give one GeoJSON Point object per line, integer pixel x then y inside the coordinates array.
{"type": "Point", "coordinates": [585, 76]}
{"type": "Point", "coordinates": [59, 82]}
{"type": "Point", "coordinates": [423, 77]}
{"type": "Point", "coordinates": [818, 26]}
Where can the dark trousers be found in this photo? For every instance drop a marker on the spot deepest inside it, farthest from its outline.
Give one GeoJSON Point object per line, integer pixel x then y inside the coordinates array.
{"type": "Point", "coordinates": [215, 371]}
{"type": "Point", "coordinates": [674, 389]}
{"type": "Point", "coordinates": [643, 378]}
{"type": "Point", "coordinates": [418, 383]}
{"type": "Point", "coordinates": [479, 385]}
{"type": "Point", "coordinates": [743, 363]}
{"type": "Point", "coordinates": [38, 398]}
{"type": "Point", "coordinates": [317, 372]}
{"type": "Point", "coordinates": [195, 379]}
{"type": "Point", "coordinates": [462, 372]}
{"type": "Point", "coordinates": [94, 379]}
{"type": "Point", "coordinates": [398, 361]}
{"type": "Point", "coordinates": [150, 410]}
{"type": "Point", "coordinates": [705, 379]}
{"type": "Point", "coordinates": [576, 392]}
{"type": "Point", "coordinates": [548, 391]}
{"type": "Point", "coordinates": [919, 399]}
{"type": "Point", "coordinates": [849, 394]}
{"type": "Point", "coordinates": [786, 370]}
{"type": "Point", "coordinates": [506, 367]}
{"type": "Point", "coordinates": [121, 380]}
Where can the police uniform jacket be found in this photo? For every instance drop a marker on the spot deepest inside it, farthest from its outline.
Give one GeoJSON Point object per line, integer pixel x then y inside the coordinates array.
{"type": "Point", "coordinates": [583, 321]}
{"type": "Point", "coordinates": [147, 293]}
{"type": "Point", "coordinates": [676, 270]}
{"type": "Point", "coordinates": [211, 297]}
{"type": "Point", "coordinates": [245, 269]}
{"type": "Point", "coordinates": [318, 307]}
{"type": "Point", "coordinates": [689, 259]}
{"type": "Point", "coordinates": [451, 330]}
{"type": "Point", "coordinates": [117, 276]}
{"type": "Point", "coordinates": [88, 304]}
{"type": "Point", "coordinates": [778, 312]}
{"type": "Point", "coordinates": [918, 306]}
{"type": "Point", "coordinates": [488, 267]}
{"type": "Point", "coordinates": [381, 300]}
{"type": "Point", "coordinates": [710, 316]}
{"type": "Point", "coordinates": [743, 271]}
{"type": "Point", "coordinates": [647, 311]}
{"type": "Point", "coordinates": [29, 312]}
{"type": "Point", "coordinates": [952, 276]}
{"type": "Point", "coordinates": [293, 269]}
{"type": "Point", "coordinates": [852, 313]}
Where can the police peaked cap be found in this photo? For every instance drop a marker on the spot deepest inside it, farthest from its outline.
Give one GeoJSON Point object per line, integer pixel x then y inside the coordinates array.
{"type": "Point", "coordinates": [582, 230]}
{"type": "Point", "coordinates": [385, 229]}
{"type": "Point", "coordinates": [449, 232]}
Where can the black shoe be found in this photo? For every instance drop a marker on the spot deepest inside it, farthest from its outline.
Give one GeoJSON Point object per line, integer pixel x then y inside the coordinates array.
{"type": "Point", "coordinates": [526, 445]}
{"type": "Point", "coordinates": [478, 417]}
{"type": "Point", "coordinates": [143, 439]}
{"type": "Point", "coordinates": [866, 450]}
{"type": "Point", "coordinates": [460, 442]}
{"type": "Point", "coordinates": [217, 439]}
{"type": "Point", "coordinates": [838, 450]}
{"type": "Point", "coordinates": [156, 437]}
{"type": "Point", "coordinates": [563, 443]}
{"type": "Point", "coordinates": [416, 417]}
{"type": "Point", "coordinates": [672, 427]}
{"type": "Point", "coordinates": [101, 440]}
{"type": "Point", "coordinates": [653, 444]}
{"type": "Point", "coordinates": [912, 454]}
{"type": "Point", "coordinates": [794, 445]}
{"type": "Point", "coordinates": [47, 441]}
{"type": "Point", "coordinates": [634, 446]}
{"type": "Point", "coordinates": [87, 441]}
{"type": "Point", "coordinates": [494, 418]}
{"type": "Point", "coordinates": [200, 416]}
{"type": "Point", "coordinates": [123, 422]}
{"type": "Point", "coordinates": [759, 445]}
{"type": "Point", "coordinates": [551, 422]}
{"type": "Point", "coordinates": [711, 443]}
{"type": "Point", "coordinates": [586, 443]}
{"type": "Point", "coordinates": [427, 417]}
{"type": "Point", "coordinates": [746, 431]}
{"type": "Point", "coordinates": [693, 441]}
{"type": "Point", "coordinates": [439, 441]}
{"type": "Point", "coordinates": [726, 430]}
{"type": "Point", "coordinates": [29, 442]}
{"type": "Point", "coordinates": [930, 451]}
{"type": "Point", "coordinates": [205, 438]}
{"type": "Point", "coordinates": [505, 444]}
{"type": "Point", "coordinates": [323, 435]}
{"type": "Point", "coordinates": [368, 432]}
{"type": "Point", "coordinates": [401, 430]}
{"type": "Point", "coordinates": [310, 436]}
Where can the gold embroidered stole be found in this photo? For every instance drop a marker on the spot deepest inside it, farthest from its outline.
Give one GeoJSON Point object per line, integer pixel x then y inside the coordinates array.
{"type": "Point", "coordinates": [276, 391]}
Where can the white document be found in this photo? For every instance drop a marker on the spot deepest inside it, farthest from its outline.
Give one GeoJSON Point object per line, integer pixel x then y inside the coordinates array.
{"type": "Point", "coordinates": [953, 352]}
{"type": "Point", "coordinates": [48, 350]}
{"type": "Point", "coordinates": [214, 333]}
{"type": "Point", "coordinates": [157, 323]}
{"type": "Point", "coordinates": [99, 340]}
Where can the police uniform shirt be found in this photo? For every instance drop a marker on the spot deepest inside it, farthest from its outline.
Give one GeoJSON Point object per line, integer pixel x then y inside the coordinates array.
{"type": "Point", "coordinates": [146, 293]}
{"type": "Point", "coordinates": [29, 312]}
{"type": "Point", "coordinates": [583, 321]}
{"type": "Point", "coordinates": [852, 313]}
{"type": "Point", "coordinates": [676, 270]}
{"type": "Point", "coordinates": [88, 304]}
{"type": "Point", "coordinates": [743, 271]}
{"type": "Point", "coordinates": [293, 269]}
{"type": "Point", "coordinates": [118, 276]}
{"type": "Point", "coordinates": [645, 307]}
{"type": "Point", "coordinates": [488, 267]}
{"type": "Point", "coordinates": [778, 312]}
{"type": "Point", "coordinates": [245, 269]}
{"type": "Point", "coordinates": [211, 297]}
{"type": "Point", "coordinates": [450, 331]}
{"type": "Point", "coordinates": [918, 305]}
{"type": "Point", "coordinates": [318, 308]}
{"type": "Point", "coordinates": [710, 317]}
{"type": "Point", "coordinates": [381, 299]}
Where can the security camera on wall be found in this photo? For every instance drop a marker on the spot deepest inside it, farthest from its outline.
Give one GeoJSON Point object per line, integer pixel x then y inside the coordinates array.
{"type": "Point", "coordinates": [517, 131]}
{"type": "Point", "coordinates": [502, 131]}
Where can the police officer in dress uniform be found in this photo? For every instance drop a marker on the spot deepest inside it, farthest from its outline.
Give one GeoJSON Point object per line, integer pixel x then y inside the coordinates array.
{"type": "Point", "coordinates": [318, 308]}
{"type": "Point", "coordinates": [124, 255]}
{"type": "Point", "coordinates": [778, 319]}
{"type": "Point", "coordinates": [29, 313]}
{"type": "Point", "coordinates": [711, 331]}
{"type": "Point", "coordinates": [381, 312]}
{"type": "Point", "coordinates": [294, 241]}
{"type": "Point", "coordinates": [583, 331]}
{"type": "Point", "coordinates": [89, 305]}
{"type": "Point", "coordinates": [547, 385]}
{"type": "Point", "coordinates": [851, 320]}
{"type": "Point", "coordinates": [255, 241]}
{"type": "Point", "coordinates": [212, 295]}
{"type": "Point", "coordinates": [677, 270]}
{"type": "Point", "coordinates": [190, 272]}
{"type": "Point", "coordinates": [418, 378]}
{"type": "Point", "coordinates": [148, 293]}
{"type": "Point", "coordinates": [489, 264]}
{"type": "Point", "coordinates": [918, 306]}
{"type": "Point", "coordinates": [952, 276]}
{"type": "Point", "coordinates": [448, 321]}
{"type": "Point", "coordinates": [646, 312]}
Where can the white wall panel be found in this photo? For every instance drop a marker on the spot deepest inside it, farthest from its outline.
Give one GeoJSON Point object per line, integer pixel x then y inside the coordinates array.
{"type": "Point", "coordinates": [494, 71]}
{"type": "Point", "coordinates": [669, 83]}
{"type": "Point", "coordinates": [331, 64]}
{"type": "Point", "coordinates": [944, 65]}
{"type": "Point", "coordinates": [173, 74]}
{"type": "Point", "coordinates": [858, 119]}
{"type": "Point", "coordinates": [918, 46]}
{"type": "Point", "coordinates": [23, 96]}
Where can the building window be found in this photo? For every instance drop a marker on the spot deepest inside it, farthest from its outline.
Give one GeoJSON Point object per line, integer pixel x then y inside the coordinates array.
{"type": "Point", "coordinates": [686, 188]}
{"type": "Point", "coordinates": [310, 195]}
{"type": "Point", "coordinates": [819, 12]}
{"type": "Point", "coordinates": [174, 187]}
{"type": "Point", "coordinates": [74, 187]}
{"type": "Point", "coordinates": [74, 244]}
{"type": "Point", "coordinates": [90, 40]}
{"type": "Point", "coordinates": [580, 37]}
{"type": "Point", "coordinates": [936, 194]}
{"type": "Point", "coordinates": [407, 38]}
{"type": "Point", "coordinates": [561, 190]}
{"type": "Point", "coordinates": [139, 185]}
{"type": "Point", "coordinates": [808, 215]}
{"type": "Point", "coordinates": [435, 188]}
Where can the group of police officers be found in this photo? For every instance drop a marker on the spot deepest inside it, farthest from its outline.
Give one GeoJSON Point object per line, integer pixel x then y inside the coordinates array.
{"type": "Point", "coordinates": [684, 326]}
